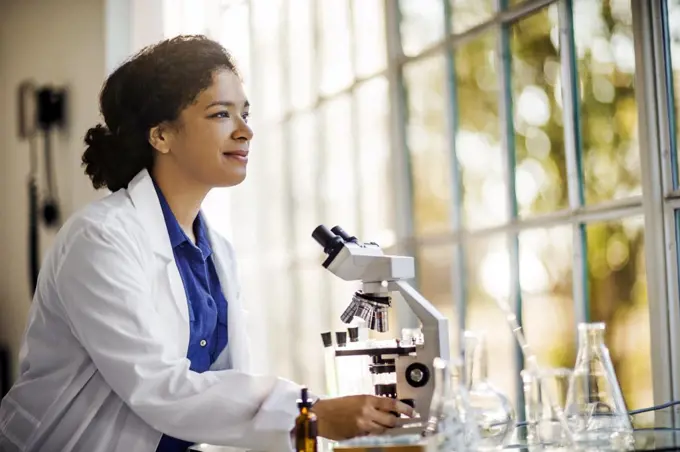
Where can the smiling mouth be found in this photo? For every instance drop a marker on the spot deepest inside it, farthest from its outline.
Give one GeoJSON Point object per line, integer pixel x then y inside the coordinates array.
{"type": "Point", "coordinates": [239, 156]}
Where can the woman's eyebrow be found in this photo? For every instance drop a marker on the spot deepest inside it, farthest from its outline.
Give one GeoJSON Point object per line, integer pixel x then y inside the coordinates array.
{"type": "Point", "coordinates": [226, 103]}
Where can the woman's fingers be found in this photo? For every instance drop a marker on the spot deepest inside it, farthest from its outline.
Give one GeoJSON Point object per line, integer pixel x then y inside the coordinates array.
{"type": "Point", "coordinates": [392, 405]}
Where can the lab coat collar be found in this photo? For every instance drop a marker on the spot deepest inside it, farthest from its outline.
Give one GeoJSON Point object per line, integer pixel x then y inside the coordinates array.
{"type": "Point", "coordinates": [144, 197]}
{"type": "Point", "coordinates": [177, 235]}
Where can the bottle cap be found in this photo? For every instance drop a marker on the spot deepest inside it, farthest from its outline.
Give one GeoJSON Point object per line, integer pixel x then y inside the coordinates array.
{"type": "Point", "coordinates": [353, 334]}
{"type": "Point", "coordinates": [341, 338]}
{"type": "Point", "coordinates": [304, 402]}
{"type": "Point", "coordinates": [327, 339]}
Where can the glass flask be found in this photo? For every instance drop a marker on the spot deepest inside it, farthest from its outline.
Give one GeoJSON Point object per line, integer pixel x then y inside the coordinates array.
{"type": "Point", "coordinates": [595, 409]}
{"type": "Point", "coordinates": [449, 411]}
{"type": "Point", "coordinates": [490, 408]}
{"type": "Point", "coordinates": [542, 388]}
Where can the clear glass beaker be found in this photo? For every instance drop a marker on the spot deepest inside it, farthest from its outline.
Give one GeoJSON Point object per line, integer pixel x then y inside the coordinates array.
{"type": "Point", "coordinates": [449, 410]}
{"type": "Point", "coordinates": [540, 389]}
{"type": "Point", "coordinates": [491, 409]}
{"type": "Point", "coordinates": [595, 408]}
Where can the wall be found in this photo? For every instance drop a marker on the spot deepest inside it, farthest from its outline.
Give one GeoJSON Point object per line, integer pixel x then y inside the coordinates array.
{"type": "Point", "coordinates": [50, 41]}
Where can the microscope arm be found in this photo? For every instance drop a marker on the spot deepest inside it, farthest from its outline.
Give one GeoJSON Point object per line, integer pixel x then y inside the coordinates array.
{"type": "Point", "coordinates": [435, 326]}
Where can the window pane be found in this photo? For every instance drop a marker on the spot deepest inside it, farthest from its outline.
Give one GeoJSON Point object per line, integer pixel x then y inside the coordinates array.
{"type": "Point", "coordinates": [228, 26]}
{"type": "Point", "coordinates": [488, 278]}
{"type": "Point", "coordinates": [337, 173]}
{"type": "Point", "coordinates": [369, 36]}
{"type": "Point", "coordinates": [674, 50]}
{"type": "Point", "coordinates": [300, 48]}
{"type": "Point", "coordinates": [267, 48]}
{"type": "Point", "coordinates": [218, 209]}
{"type": "Point", "coordinates": [185, 17]}
{"type": "Point", "coordinates": [270, 165]}
{"type": "Point", "coordinates": [466, 14]}
{"type": "Point", "coordinates": [618, 296]}
{"type": "Point", "coordinates": [603, 36]}
{"type": "Point", "coordinates": [280, 315]}
{"type": "Point", "coordinates": [546, 271]}
{"type": "Point", "coordinates": [374, 162]}
{"type": "Point", "coordinates": [304, 172]}
{"type": "Point", "coordinates": [422, 24]}
{"type": "Point", "coordinates": [239, 199]}
{"type": "Point", "coordinates": [310, 310]}
{"type": "Point", "coordinates": [539, 141]}
{"type": "Point", "coordinates": [266, 187]}
{"type": "Point", "coordinates": [427, 141]}
{"type": "Point", "coordinates": [434, 264]}
{"type": "Point", "coordinates": [336, 60]}
{"type": "Point", "coordinates": [478, 144]}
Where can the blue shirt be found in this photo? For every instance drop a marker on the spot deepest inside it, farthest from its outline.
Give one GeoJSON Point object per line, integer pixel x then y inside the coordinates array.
{"type": "Point", "coordinates": [207, 305]}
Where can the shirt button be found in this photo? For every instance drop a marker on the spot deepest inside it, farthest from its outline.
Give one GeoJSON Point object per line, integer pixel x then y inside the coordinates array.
{"type": "Point", "coordinates": [203, 343]}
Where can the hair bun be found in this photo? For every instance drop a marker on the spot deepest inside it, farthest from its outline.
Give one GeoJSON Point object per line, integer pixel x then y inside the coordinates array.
{"type": "Point", "coordinates": [98, 135]}
{"type": "Point", "coordinates": [101, 157]}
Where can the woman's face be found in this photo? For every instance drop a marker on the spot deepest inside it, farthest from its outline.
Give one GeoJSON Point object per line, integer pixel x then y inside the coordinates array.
{"type": "Point", "coordinates": [211, 141]}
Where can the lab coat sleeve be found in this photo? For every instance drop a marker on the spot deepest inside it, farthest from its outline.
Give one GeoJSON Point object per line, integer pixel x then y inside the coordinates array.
{"type": "Point", "coordinates": [104, 288]}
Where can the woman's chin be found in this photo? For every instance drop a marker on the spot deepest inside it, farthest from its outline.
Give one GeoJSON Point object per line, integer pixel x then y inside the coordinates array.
{"type": "Point", "coordinates": [231, 178]}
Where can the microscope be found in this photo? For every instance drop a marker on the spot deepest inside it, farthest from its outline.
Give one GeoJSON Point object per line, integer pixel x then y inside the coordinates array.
{"type": "Point", "coordinates": [401, 368]}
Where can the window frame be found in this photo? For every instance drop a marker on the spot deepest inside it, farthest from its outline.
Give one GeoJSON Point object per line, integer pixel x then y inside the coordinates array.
{"type": "Point", "coordinates": [660, 224]}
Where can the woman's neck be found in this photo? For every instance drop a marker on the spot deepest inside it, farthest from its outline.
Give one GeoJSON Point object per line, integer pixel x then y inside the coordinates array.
{"type": "Point", "coordinates": [183, 196]}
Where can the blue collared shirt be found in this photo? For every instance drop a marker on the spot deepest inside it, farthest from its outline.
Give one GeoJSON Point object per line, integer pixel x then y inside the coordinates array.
{"type": "Point", "coordinates": [208, 335]}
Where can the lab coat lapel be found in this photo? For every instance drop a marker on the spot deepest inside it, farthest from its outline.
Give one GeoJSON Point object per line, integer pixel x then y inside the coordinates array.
{"type": "Point", "coordinates": [145, 199]}
{"type": "Point", "coordinates": [235, 356]}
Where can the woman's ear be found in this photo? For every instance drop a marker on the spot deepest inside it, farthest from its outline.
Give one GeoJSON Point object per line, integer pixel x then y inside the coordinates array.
{"type": "Point", "coordinates": [159, 138]}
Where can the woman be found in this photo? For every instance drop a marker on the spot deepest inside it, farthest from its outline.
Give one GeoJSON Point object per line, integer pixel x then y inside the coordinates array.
{"type": "Point", "coordinates": [136, 337]}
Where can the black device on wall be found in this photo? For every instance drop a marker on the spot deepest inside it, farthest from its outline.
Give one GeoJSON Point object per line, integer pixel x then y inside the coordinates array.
{"type": "Point", "coordinates": [41, 110]}
{"type": "Point", "coordinates": [4, 372]}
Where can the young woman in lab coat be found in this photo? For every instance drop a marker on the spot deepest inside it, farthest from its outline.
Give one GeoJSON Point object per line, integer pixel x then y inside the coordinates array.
{"type": "Point", "coordinates": [136, 340]}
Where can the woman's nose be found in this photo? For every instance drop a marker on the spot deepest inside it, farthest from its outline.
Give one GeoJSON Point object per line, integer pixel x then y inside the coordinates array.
{"type": "Point", "coordinates": [242, 131]}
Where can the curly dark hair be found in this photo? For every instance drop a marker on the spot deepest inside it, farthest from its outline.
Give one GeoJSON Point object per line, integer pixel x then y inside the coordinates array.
{"type": "Point", "coordinates": [151, 88]}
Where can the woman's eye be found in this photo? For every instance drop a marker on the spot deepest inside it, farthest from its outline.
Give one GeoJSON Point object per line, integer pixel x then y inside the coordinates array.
{"type": "Point", "coordinates": [222, 114]}
{"type": "Point", "coordinates": [245, 116]}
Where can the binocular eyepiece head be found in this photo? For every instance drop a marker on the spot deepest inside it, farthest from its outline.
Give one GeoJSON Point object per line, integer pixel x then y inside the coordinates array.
{"type": "Point", "coordinates": [330, 239]}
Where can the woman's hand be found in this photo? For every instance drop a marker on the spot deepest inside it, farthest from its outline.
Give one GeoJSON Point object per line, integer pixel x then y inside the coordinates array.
{"type": "Point", "coordinates": [347, 417]}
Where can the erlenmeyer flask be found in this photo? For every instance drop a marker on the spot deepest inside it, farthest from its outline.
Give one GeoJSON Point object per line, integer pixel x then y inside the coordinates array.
{"type": "Point", "coordinates": [461, 400]}
{"type": "Point", "coordinates": [490, 408]}
{"type": "Point", "coordinates": [438, 421]}
{"type": "Point", "coordinates": [595, 408]}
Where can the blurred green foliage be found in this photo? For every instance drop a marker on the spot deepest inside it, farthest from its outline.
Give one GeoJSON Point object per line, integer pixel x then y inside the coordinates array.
{"type": "Point", "coordinates": [609, 160]}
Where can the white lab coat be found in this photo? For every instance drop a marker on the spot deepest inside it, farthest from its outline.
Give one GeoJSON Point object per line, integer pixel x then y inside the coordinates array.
{"type": "Point", "coordinates": [103, 362]}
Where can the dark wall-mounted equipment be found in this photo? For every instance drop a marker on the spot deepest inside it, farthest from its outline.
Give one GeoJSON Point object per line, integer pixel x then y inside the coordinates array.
{"type": "Point", "coordinates": [4, 372]}
{"type": "Point", "coordinates": [42, 110]}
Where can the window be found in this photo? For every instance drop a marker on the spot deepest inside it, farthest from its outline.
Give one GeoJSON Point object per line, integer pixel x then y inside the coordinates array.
{"type": "Point", "coordinates": [540, 139]}
{"type": "Point", "coordinates": [672, 47]}
{"type": "Point", "coordinates": [545, 154]}
{"type": "Point", "coordinates": [321, 154]}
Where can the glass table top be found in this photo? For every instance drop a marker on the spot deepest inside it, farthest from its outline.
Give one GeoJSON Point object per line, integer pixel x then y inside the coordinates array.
{"type": "Point", "coordinates": [643, 439]}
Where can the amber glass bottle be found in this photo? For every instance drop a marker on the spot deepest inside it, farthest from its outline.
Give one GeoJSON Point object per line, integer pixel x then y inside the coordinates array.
{"type": "Point", "coordinates": [305, 425]}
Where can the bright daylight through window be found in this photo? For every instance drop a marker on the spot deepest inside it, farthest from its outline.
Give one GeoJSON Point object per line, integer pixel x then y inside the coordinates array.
{"type": "Point", "coordinates": [527, 153]}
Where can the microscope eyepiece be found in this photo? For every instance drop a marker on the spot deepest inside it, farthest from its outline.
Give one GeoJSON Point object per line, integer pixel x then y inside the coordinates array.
{"type": "Point", "coordinates": [337, 230]}
{"type": "Point", "coordinates": [326, 238]}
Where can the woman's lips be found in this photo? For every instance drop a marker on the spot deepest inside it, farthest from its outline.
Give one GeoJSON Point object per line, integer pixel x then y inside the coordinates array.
{"type": "Point", "coordinates": [239, 156]}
